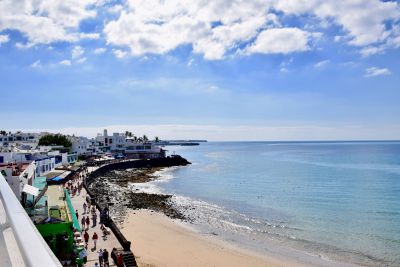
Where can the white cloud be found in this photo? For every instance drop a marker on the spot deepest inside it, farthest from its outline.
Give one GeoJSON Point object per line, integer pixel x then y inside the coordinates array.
{"type": "Point", "coordinates": [281, 41]}
{"type": "Point", "coordinates": [321, 64]}
{"type": "Point", "coordinates": [190, 62]}
{"type": "Point", "coordinates": [362, 20]}
{"type": "Point", "coordinates": [283, 69]}
{"type": "Point", "coordinates": [100, 50]}
{"type": "Point", "coordinates": [36, 64]}
{"type": "Point", "coordinates": [157, 27]}
{"type": "Point", "coordinates": [89, 35]}
{"type": "Point", "coordinates": [45, 21]}
{"type": "Point", "coordinates": [375, 71]}
{"type": "Point", "coordinates": [24, 46]}
{"type": "Point", "coordinates": [77, 51]}
{"type": "Point", "coordinates": [372, 50]}
{"type": "Point", "coordinates": [119, 53]}
{"type": "Point", "coordinates": [284, 66]}
{"type": "Point", "coordinates": [214, 29]}
{"type": "Point", "coordinates": [81, 60]}
{"type": "Point", "coordinates": [115, 9]}
{"type": "Point", "coordinates": [4, 38]}
{"type": "Point", "coordinates": [65, 62]}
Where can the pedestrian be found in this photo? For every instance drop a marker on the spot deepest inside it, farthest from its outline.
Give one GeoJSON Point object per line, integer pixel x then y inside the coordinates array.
{"type": "Point", "coordinates": [77, 214]}
{"type": "Point", "coordinates": [100, 254]}
{"type": "Point", "coordinates": [96, 265]}
{"type": "Point", "coordinates": [84, 208]}
{"type": "Point", "coordinates": [95, 237]}
{"type": "Point", "coordinates": [94, 218]}
{"type": "Point", "coordinates": [83, 221]}
{"type": "Point", "coordinates": [120, 260]}
{"type": "Point", "coordinates": [105, 257]}
{"type": "Point", "coordinates": [86, 238]}
{"type": "Point", "coordinates": [87, 222]}
{"type": "Point", "coordinates": [83, 255]}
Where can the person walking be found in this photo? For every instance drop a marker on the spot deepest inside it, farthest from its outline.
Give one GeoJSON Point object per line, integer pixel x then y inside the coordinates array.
{"type": "Point", "coordinates": [105, 257]}
{"type": "Point", "coordinates": [120, 260]}
{"type": "Point", "coordinates": [83, 221]}
{"type": "Point", "coordinates": [86, 238]}
{"type": "Point", "coordinates": [94, 219]}
{"type": "Point", "coordinates": [84, 208]}
{"type": "Point", "coordinates": [87, 222]}
{"type": "Point", "coordinates": [77, 214]}
{"type": "Point", "coordinates": [100, 254]}
{"type": "Point", "coordinates": [95, 237]}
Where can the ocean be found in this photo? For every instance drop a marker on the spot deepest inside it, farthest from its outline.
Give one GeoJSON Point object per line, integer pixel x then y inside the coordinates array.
{"type": "Point", "coordinates": [335, 201]}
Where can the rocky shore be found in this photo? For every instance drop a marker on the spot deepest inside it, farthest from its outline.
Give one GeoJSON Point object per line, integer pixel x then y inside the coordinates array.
{"type": "Point", "coordinates": [112, 188]}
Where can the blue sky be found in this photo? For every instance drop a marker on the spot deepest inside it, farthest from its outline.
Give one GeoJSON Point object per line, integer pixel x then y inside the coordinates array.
{"type": "Point", "coordinates": [220, 70]}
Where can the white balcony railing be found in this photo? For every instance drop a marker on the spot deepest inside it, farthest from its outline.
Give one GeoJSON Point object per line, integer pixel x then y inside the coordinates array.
{"type": "Point", "coordinates": [20, 242]}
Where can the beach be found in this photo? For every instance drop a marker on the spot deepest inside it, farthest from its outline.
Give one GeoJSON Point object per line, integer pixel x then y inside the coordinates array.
{"type": "Point", "coordinates": [160, 241]}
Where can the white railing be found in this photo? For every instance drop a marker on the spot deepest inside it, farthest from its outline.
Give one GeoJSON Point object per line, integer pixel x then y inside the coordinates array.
{"type": "Point", "coordinates": [32, 247]}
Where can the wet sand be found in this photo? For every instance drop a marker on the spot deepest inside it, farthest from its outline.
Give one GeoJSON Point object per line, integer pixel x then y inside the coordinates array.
{"type": "Point", "coordinates": [159, 241]}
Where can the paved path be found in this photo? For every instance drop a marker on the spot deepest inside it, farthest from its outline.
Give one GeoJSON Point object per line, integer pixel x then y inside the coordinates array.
{"type": "Point", "coordinates": [104, 242]}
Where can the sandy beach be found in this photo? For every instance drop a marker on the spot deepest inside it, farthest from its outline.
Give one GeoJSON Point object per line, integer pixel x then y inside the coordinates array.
{"type": "Point", "coordinates": [159, 241]}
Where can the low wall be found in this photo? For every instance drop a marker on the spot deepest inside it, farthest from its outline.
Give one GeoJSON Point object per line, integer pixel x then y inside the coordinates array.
{"type": "Point", "coordinates": [123, 165]}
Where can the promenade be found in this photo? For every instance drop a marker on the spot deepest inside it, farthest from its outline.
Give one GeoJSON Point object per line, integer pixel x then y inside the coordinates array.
{"type": "Point", "coordinates": [104, 242]}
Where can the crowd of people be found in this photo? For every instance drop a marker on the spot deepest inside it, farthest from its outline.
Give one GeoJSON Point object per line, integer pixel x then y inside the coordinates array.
{"type": "Point", "coordinates": [89, 215]}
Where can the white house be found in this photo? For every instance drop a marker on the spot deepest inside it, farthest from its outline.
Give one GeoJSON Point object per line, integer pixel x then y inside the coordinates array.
{"type": "Point", "coordinates": [17, 175]}
{"type": "Point", "coordinates": [28, 140]}
{"type": "Point", "coordinates": [119, 143]}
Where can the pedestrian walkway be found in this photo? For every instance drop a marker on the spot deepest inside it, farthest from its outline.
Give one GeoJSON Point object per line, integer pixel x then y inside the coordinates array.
{"type": "Point", "coordinates": [104, 242]}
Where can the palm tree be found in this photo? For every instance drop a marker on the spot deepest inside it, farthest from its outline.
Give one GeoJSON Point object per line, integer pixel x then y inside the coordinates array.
{"type": "Point", "coordinates": [145, 139]}
{"type": "Point", "coordinates": [156, 139]}
{"type": "Point", "coordinates": [128, 134]}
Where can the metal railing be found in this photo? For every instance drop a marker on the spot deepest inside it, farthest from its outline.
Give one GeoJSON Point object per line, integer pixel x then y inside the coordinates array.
{"type": "Point", "coordinates": [32, 247]}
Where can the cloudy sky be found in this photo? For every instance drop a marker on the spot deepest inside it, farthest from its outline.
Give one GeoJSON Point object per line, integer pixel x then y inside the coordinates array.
{"type": "Point", "coordinates": [220, 69]}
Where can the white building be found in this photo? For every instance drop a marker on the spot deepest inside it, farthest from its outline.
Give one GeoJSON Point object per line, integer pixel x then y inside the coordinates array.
{"type": "Point", "coordinates": [17, 175]}
{"type": "Point", "coordinates": [119, 143]}
{"type": "Point", "coordinates": [63, 158]}
{"type": "Point", "coordinates": [80, 144]}
{"type": "Point", "coordinates": [44, 163]}
{"type": "Point", "coordinates": [27, 140]}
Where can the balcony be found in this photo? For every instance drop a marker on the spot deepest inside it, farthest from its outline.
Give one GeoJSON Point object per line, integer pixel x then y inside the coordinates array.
{"type": "Point", "coordinates": [20, 242]}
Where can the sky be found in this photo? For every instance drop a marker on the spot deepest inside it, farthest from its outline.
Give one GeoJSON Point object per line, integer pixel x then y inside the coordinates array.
{"type": "Point", "coordinates": [216, 70]}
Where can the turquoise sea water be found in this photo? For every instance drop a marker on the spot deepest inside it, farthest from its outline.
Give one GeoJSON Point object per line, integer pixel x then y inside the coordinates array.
{"type": "Point", "coordinates": [337, 200]}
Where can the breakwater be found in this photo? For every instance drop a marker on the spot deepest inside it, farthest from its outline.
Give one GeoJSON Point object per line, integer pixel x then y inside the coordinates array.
{"type": "Point", "coordinates": [103, 206]}
{"type": "Point", "coordinates": [145, 163]}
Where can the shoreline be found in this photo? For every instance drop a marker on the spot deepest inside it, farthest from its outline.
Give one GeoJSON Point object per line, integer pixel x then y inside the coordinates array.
{"type": "Point", "coordinates": [149, 221]}
{"type": "Point", "coordinates": [159, 241]}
